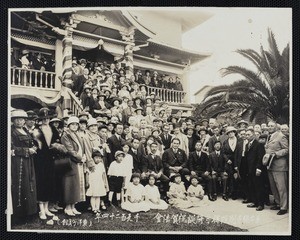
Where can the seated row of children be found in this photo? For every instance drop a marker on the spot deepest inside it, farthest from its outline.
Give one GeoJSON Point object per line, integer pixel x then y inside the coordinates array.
{"type": "Point", "coordinates": [136, 197]}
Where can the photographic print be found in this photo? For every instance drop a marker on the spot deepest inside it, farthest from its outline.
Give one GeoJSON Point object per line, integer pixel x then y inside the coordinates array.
{"type": "Point", "coordinates": [149, 120]}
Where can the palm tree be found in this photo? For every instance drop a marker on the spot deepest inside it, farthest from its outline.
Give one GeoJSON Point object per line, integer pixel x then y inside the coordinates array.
{"type": "Point", "coordinates": [265, 91]}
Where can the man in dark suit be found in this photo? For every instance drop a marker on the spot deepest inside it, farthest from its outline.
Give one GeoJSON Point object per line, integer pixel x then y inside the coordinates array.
{"type": "Point", "coordinates": [166, 137]}
{"type": "Point", "coordinates": [217, 163]}
{"type": "Point", "coordinates": [199, 165]}
{"type": "Point", "coordinates": [115, 141]}
{"type": "Point", "coordinates": [240, 164]}
{"type": "Point", "coordinates": [254, 155]}
{"type": "Point", "coordinates": [152, 164]}
{"type": "Point", "coordinates": [175, 160]}
{"type": "Point", "coordinates": [137, 155]}
{"type": "Point", "coordinates": [216, 137]}
{"type": "Point", "coordinates": [229, 149]}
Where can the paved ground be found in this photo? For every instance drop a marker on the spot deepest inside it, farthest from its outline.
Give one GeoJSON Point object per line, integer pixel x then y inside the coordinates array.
{"type": "Point", "coordinates": [237, 214]}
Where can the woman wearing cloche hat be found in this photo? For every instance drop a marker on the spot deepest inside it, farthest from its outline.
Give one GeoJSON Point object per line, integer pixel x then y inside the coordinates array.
{"type": "Point", "coordinates": [45, 136]}
{"type": "Point", "coordinates": [72, 179]}
{"type": "Point", "coordinates": [94, 142]}
{"type": "Point", "coordinates": [23, 183]}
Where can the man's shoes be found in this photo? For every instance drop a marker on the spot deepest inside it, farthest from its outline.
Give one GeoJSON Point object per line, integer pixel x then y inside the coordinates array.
{"type": "Point", "coordinates": [281, 212]}
{"type": "Point", "coordinates": [225, 197]}
{"type": "Point", "coordinates": [259, 208]}
{"type": "Point", "coordinates": [210, 198]}
{"type": "Point", "coordinates": [251, 205]}
{"type": "Point", "coordinates": [245, 201]}
{"type": "Point", "coordinates": [275, 208]}
{"type": "Point", "coordinates": [215, 197]}
{"type": "Point", "coordinates": [268, 203]}
{"type": "Point", "coordinates": [233, 197]}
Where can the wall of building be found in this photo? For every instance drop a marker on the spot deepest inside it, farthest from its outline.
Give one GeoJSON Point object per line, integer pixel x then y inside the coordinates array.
{"type": "Point", "coordinates": [167, 30]}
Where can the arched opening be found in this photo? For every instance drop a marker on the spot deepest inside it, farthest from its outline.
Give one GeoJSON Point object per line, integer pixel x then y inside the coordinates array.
{"type": "Point", "coordinates": [93, 55]}
{"type": "Point", "coordinates": [25, 104]}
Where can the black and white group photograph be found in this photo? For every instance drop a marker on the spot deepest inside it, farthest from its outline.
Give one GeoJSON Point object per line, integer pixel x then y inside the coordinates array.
{"type": "Point", "coordinates": [149, 120]}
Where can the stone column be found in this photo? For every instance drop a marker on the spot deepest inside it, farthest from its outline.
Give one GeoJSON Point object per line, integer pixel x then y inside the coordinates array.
{"type": "Point", "coordinates": [58, 63]}
{"type": "Point", "coordinates": [186, 84]}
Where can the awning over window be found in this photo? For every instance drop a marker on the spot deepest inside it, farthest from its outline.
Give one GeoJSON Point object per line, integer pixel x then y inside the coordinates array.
{"type": "Point", "coordinates": [33, 41]}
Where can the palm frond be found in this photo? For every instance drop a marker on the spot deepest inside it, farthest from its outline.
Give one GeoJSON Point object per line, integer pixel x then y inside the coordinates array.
{"type": "Point", "coordinates": [252, 77]}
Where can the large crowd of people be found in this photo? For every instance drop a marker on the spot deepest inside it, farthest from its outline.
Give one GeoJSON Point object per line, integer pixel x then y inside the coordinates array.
{"type": "Point", "coordinates": [138, 156]}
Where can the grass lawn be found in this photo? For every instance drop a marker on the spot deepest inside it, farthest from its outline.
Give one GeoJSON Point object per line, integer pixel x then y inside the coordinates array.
{"type": "Point", "coordinates": [116, 219]}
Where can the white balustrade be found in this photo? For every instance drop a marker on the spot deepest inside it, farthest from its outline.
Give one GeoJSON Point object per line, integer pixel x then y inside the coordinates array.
{"type": "Point", "coordinates": [32, 78]}
{"type": "Point", "coordinates": [167, 95]}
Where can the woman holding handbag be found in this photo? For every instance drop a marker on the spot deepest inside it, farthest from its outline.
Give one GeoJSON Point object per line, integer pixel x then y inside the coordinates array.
{"type": "Point", "coordinates": [71, 180]}
{"type": "Point", "coordinates": [23, 182]}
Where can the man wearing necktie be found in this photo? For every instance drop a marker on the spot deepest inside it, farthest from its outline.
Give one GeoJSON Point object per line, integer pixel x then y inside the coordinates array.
{"type": "Point", "coordinates": [152, 164]}
{"type": "Point", "coordinates": [217, 163]}
{"type": "Point", "coordinates": [254, 154]}
{"type": "Point", "coordinates": [115, 141]}
{"type": "Point", "coordinates": [166, 137]}
{"type": "Point", "coordinates": [199, 166]}
{"type": "Point", "coordinates": [240, 164]}
{"type": "Point", "coordinates": [175, 160]}
{"type": "Point", "coordinates": [278, 146]}
{"type": "Point", "coordinates": [137, 155]}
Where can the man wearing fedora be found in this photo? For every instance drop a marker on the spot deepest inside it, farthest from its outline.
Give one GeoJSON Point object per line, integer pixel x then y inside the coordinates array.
{"type": "Point", "coordinates": [229, 149]}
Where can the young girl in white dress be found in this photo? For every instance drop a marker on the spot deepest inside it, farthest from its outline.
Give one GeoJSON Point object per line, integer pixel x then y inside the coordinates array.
{"type": "Point", "coordinates": [98, 184]}
{"type": "Point", "coordinates": [127, 163]}
{"type": "Point", "coordinates": [177, 194]}
{"type": "Point", "coordinates": [135, 196]}
{"type": "Point", "coordinates": [152, 195]}
{"type": "Point", "coordinates": [196, 193]}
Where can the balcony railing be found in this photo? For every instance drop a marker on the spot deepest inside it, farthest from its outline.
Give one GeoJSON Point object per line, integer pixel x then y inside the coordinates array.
{"type": "Point", "coordinates": [76, 105]}
{"type": "Point", "coordinates": [32, 78]}
{"type": "Point", "coordinates": [167, 95]}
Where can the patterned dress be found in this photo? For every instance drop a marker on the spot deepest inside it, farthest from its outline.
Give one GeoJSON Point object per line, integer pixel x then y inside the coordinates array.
{"type": "Point", "coordinates": [23, 181]}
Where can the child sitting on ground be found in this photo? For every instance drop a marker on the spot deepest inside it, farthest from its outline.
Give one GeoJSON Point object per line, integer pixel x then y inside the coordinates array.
{"type": "Point", "coordinates": [152, 195]}
{"type": "Point", "coordinates": [116, 178]}
{"type": "Point", "coordinates": [98, 185]}
{"type": "Point", "coordinates": [177, 193]}
{"type": "Point", "coordinates": [196, 193]}
{"type": "Point", "coordinates": [135, 196]}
